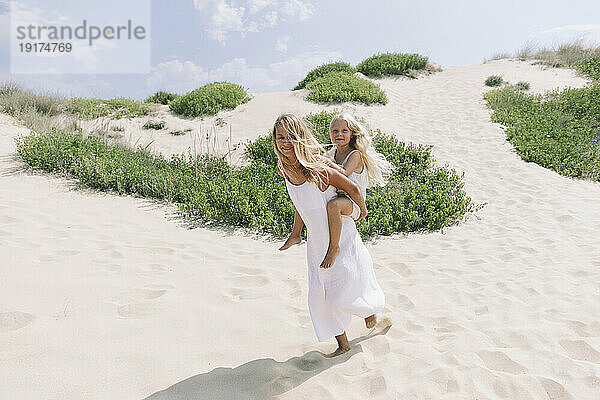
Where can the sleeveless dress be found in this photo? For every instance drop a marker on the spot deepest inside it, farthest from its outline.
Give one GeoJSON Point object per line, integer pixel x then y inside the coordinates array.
{"type": "Point", "coordinates": [361, 179]}
{"type": "Point", "coordinates": [349, 286]}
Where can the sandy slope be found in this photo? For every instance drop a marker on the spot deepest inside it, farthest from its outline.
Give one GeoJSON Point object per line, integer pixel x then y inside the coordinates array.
{"type": "Point", "coordinates": [107, 297]}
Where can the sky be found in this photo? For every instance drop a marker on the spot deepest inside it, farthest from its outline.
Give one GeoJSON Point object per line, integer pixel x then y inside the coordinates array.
{"type": "Point", "coordinates": [270, 45]}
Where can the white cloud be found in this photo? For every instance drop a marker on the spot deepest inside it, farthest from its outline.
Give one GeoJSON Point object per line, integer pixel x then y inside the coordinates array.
{"type": "Point", "coordinates": [282, 44]}
{"type": "Point", "coordinates": [184, 76]}
{"type": "Point", "coordinates": [220, 17]}
{"type": "Point", "coordinates": [586, 34]}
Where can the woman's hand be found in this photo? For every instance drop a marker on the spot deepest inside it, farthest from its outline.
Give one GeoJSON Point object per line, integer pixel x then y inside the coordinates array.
{"type": "Point", "coordinates": [342, 182]}
{"type": "Point", "coordinates": [363, 213]}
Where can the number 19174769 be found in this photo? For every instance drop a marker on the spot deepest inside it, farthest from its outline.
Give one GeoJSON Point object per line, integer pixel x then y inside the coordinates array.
{"type": "Point", "coordinates": [50, 47]}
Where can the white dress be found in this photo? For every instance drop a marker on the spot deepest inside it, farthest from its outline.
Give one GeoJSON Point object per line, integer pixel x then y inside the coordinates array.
{"type": "Point", "coordinates": [361, 179]}
{"type": "Point", "coordinates": [349, 286]}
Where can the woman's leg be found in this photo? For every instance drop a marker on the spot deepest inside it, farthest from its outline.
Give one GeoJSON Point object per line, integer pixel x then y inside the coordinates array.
{"type": "Point", "coordinates": [295, 237]}
{"type": "Point", "coordinates": [336, 207]}
{"type": "Point", "coordinates": [343, 345]}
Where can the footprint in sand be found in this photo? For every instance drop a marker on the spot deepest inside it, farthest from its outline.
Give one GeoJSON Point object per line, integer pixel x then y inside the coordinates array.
{"type": "Point", "coordinates": [554, 389]}
{"type": "Point", "coordinates": [135, 295]}
{"type": "Point", "coordinates": [498, 361]}
{"type": "Point", "coordinates": [11, 321]}
{"type": "Point", "coordinates": [580, 350]}
{"type": "Point", "coordinates": [138, 310]}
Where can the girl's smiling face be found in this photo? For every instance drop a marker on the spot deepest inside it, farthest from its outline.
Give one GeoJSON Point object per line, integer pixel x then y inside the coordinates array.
{"type": "Point", "coordinates": [340, 134]}
{"type": "Point", "coordinates": [283, 143]}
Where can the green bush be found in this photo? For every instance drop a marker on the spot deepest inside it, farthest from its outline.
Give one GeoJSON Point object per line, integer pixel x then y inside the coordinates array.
{"type": "Point", "coordinates": [339, 87]}
{"type": "Point", "coordinates": [494, 80]}
{"type": "Point", "coordinates": [210, 99]}
{"type": "Point", "coordinates": [419, 197]}
{"type": "Point", "coordinates": [115, 108]}
{"type": "Point", "coordinates": [522, 85]}
{"type": "Point", "coordinates": [391, 64]}
{"type": "Point", "coordinates": [323, 70]}
{"type": "Point", "coordinates": [590, 67]}
{"type": "Point", "coordinates": [156, 125]}
{"type": "Point", "coordinates": [558, 130]}
{"type": "Point", "coordinates": [161, 97]}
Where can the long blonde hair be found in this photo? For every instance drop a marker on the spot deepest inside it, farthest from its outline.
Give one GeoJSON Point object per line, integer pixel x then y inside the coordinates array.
{"type": "Point", "coordinates": [307, 149]}
{"type": "Point", "coordinates": [379, 169]}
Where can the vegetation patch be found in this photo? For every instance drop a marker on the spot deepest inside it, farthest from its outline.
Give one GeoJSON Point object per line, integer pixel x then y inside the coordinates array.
{"type": "Point", "coordinates": [419, 197]}
{"type": "Point", "coordinates": [161, 97]}
{"type": "Point", "coordinates": [323, 70]}
{"type": "Point", "coordinates": [180, 132]}
{"type": "Point", "coordinates": [339, 87]}
{"type": "Point", "coordinates": [590, 67]}
{"type": "Point", "coordinates": [118, 107]}
{"type": "Point", "coordinates": [559, 130]}
{"type": "Point", "coordinates": [156, 125]}
{"type": "Point", "coordinates": [389, 64]}
{"type": "Point", "coordinates": [494, 80]}
{"type": "Point", "coordinates": [210, 99]}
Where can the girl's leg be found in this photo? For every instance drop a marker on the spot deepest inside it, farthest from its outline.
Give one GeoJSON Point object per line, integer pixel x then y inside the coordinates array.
{"type": "Point", "coordinates": [343, 345]}
{"type": "Point", "coordinates": [295, 236]}
{"type": "Point", "coordinates": [336, 207]}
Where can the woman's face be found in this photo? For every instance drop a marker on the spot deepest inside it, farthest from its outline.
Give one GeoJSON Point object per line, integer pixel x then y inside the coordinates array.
{"type": "Point", "coordinates": [283, 143]}
{"type": "Point", "coordinates": [340, 134]}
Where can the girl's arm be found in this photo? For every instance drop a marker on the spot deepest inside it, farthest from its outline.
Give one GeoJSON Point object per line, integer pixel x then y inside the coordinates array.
{"type": "Point", "coordinates": [354, 163]}
{"type": "Point", "coordinates": [341, 181]}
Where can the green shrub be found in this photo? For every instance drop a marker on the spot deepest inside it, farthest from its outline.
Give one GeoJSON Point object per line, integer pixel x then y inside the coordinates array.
{"type": "Point", "coordinates": [323, 70]}
{"type": "Point", "coordinates": [391, 64]}
{"type": "Point", "coordinates": [180, 132]}
{"type": "Point", "coordinates": [522, 85]}
{"type": "Point", "coordinates": [115, 108]}
{"type": "Point", "coordinates": [210, 99]}
{"type": "Point", "coordinates": [558, 130]}
{"type": "Point", "coordinates": [494, 80]}
{"type": "Point", "coordinates": [161, 97]}
{"type": "Point", "coordinates": [156, 125]}
{"type": "Point", "coordinates": [419, 197]}
{"type": "Point", "coordinates": [339, 87]}
{"type": "Point", "coordinates": [590, 67]}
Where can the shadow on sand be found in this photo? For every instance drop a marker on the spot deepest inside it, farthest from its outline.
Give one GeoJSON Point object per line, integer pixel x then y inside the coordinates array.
{"type": "Point", "coordinates": [257, 379]}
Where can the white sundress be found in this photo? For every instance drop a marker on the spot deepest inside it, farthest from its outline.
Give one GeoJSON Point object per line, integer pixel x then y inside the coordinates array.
{"type": "Point", "coordinates": [361, 179]}
{"type": "Point", "coordinates": [349, 286]}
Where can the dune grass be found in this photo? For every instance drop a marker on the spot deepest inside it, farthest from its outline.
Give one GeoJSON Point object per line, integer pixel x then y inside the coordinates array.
{"type": "Point", "coordinates": [494, 80]}
{"type": "Point", "coordinates": [339, 87]}
{"type": "Point", "coordinates": [420, 197]}
{"type": "Point", "coordinates": [390, 64]}
{"type": "Point", "coordinates": [161, 97]}
{"type": "Point", "coordinates": [210, 99]}
{"type": "Point", "coordinates": [119, 107]}
{"type": "Point", "coordinates": [559, 130]}
{"type": "Point", "coordinates": [323, 70]}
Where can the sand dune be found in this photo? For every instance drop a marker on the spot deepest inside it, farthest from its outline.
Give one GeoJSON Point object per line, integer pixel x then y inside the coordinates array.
{"type": "Point", "coordinates": [109, 297]}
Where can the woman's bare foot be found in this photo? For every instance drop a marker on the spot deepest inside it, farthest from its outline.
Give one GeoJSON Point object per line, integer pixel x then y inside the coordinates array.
{"type": "Point", "coordinates": [371, 321]}
{"type": "Point", "coordinates": [338, 351]}
{"type": "Point", "coordinates": [330, 257]}
{"type": "Point", "coordinates": [292, 240]}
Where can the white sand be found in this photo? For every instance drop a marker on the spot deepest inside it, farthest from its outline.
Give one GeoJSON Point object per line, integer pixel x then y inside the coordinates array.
{"type": "Point", "coordinates": [108, 297]}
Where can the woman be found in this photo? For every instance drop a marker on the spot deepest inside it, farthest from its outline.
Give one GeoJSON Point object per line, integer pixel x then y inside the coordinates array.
{"type": "Point", "coordinates": [349, 286]}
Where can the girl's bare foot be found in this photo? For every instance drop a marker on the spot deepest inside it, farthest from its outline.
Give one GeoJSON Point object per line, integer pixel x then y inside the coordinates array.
{"type": "Point", "coordinates": [330, 257]}
{"type": "Point", "coordinates": [292, 240]}
{"type": "Point", "coordinates": [371, 321]}
{"type": "Point", "coordinates": [338, 351]}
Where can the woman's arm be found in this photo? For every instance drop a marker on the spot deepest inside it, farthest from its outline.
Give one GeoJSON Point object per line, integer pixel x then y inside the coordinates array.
{"type": "Point", "coordinates": [342, 182]}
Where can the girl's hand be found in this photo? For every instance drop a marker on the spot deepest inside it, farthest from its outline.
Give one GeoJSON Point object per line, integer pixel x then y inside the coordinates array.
{"type": "Point", "coordinates": [363, 213]}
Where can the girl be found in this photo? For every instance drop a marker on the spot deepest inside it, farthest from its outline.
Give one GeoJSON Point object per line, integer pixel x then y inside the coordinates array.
{"type": "Point", "coordinates": [350, 286]}
{"type": "Point", "coordinates": [354, 157]}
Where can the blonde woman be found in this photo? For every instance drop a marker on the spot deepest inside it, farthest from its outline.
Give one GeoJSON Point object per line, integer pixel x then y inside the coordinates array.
{"type": "Point", "coordinates": [354, 156]}
{"type": "Point", "coordinates": [349, 287]}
